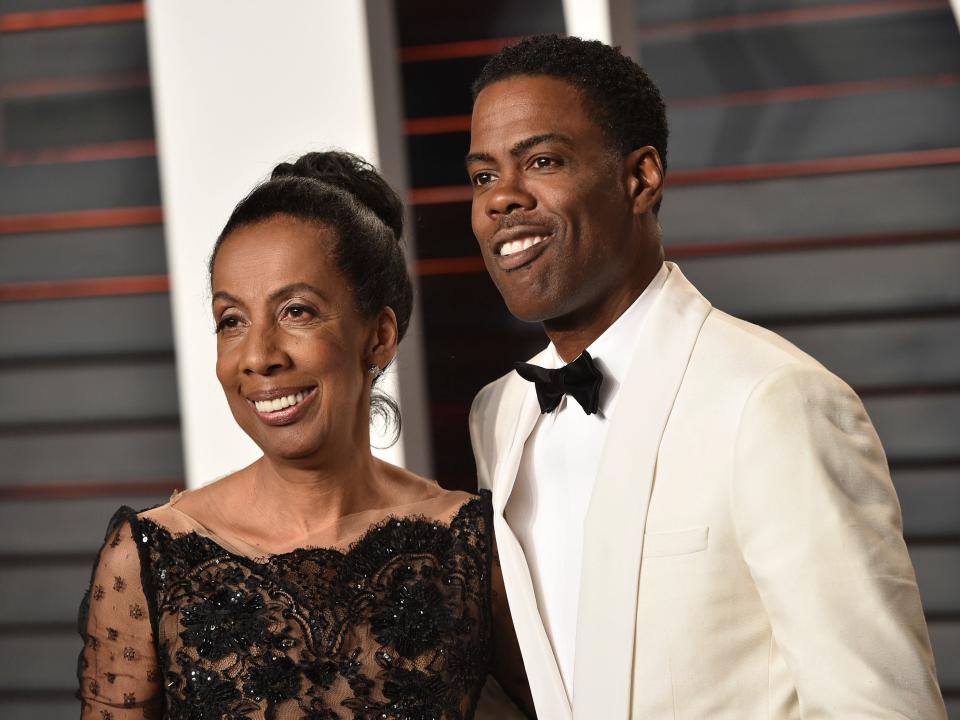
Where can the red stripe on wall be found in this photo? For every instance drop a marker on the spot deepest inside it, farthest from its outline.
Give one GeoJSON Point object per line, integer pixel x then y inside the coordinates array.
{"type": "Point", "coordinates": [800, 93]}
{"type": "Point", "coordinates": [450, 266]}
{"type": "Point", "coordinates": [780, 18]}
{"type": "Point", "coordinates": [72, 17]}
{"type": "Point", "coordinates": [437, 125]}
{"type": "Point", "coordinates": [449, 51]}
{"type": "Point", "coordinates": [58, 491]}
{"type": "Point", "coordinates": [65, 86]}
{"type": "Point", "coordinates": [120, 150]}
{"type": "Point", "coordinates": [91, 287]}
{"type": "Point", "coordinates": [80, 220]}
{"type": "Point", "coordinates": [804, 168]}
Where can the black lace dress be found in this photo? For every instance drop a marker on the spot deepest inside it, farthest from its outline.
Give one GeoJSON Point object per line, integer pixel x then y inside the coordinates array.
{"type": "Point", "coordinates": [394, 624]}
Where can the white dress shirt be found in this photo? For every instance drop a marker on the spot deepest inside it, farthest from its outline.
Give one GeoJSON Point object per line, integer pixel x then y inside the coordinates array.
{"type": "Point", "coordinates": [549, 501]}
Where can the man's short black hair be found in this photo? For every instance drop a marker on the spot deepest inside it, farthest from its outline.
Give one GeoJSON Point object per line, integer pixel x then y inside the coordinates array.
{"type": "Point", "coordinates": [619, 96]}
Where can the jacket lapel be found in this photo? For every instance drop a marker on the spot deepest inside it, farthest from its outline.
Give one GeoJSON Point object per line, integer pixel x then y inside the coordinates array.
{"type": "Point", "coordinates": [517, 416]}
{"type": "Point", "coordinates": [614, 527]}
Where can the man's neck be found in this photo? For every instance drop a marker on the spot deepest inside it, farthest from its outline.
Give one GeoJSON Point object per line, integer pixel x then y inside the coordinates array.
{"type": "Point", "coordinates": [574, 333]}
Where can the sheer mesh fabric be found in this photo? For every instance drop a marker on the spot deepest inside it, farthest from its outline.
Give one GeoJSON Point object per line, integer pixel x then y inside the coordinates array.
{"type": "Point", "coordinates": [391, 620]}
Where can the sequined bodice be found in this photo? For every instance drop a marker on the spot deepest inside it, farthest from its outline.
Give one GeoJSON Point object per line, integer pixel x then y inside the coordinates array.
{"type": "Point", "coordinates": [395, 626]}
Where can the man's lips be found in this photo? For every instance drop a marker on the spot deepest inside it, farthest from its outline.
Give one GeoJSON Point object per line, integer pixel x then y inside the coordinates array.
{"type": "Point", "coordinates": [518, 246]}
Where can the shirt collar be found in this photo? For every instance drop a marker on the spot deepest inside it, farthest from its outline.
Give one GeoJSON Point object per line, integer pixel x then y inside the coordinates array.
{"type": "Point", "coordinates": [613, 350]}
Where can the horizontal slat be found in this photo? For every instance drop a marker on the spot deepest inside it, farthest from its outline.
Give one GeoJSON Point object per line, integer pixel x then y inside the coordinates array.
{"type": "Point", "coordinates": [746, 21]}
{"type": "Point", "coordinates": [94, 456]}
{"type": "Point", "coordinates": [922, 199]}
{"type": "Point", "coordinates": [885, 353]}
{"type": "Point", "coordinates": [73, 527]}
{"type": "Point", "coordinates": [45, 594]}
{"type": "Point", "coordinates": [10, 6]}
{"type": "Point", "coordinates": [452, 22]}
{"type": "Point", "coordinates": [71, 17]}
{"type": "Point", "coordinates": [90, 326]}
{"type": "Point", "coordinates": [32, 123]}
{"type": "Point", "coordinates": [662, 11]}
{"type": "Point", "coordinates": [84, 288]}
{"type": "Point", "coordinates": [945, 637]}
{"type": "Point", "coordinates": [32, 662]}
{"type": "Point", "coordinates": [930, 501]}
{"type": "Point", "coordinates": [830, 281]}
{"type": "Point", "coordinates": [111, 391]}
{"type": "Point", "coordinates": [916, 426]}
{"type": "Point", "coordinates": [936, 567]}
{"type": "Point", "coordinates": [887, 46]}
{"type": "Point", "coordinates": [102, 252]}
{"type": "Point", "coordinates": [916, 119]}
{"type": "Point", "coordinates": [32, 189]}
{"type": "Point", "coordinates": [41, 708]}
{"type": "Point", "coordinates": [72, 52]}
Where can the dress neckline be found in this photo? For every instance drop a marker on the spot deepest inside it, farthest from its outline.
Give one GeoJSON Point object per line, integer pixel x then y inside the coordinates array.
{"type": "Point", "coordinates": [240, 549]}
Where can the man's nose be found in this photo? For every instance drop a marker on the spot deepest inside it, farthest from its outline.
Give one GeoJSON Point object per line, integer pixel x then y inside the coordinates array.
{"type": "Point", "coordinates": [510, 194]}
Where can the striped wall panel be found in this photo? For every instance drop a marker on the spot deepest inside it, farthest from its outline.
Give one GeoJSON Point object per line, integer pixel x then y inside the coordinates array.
{"type": "Point", "coordinates": [89, 419]}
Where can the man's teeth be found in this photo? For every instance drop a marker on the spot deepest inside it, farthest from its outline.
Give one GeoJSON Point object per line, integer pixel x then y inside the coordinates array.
{"type": "Point", "coordinates": [279, 403]}
{"type": "Point", "coordinates": [509, 248]}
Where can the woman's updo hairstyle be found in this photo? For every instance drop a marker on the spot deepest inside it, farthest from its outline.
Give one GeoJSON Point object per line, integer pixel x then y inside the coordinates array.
{"type": "Point", "coordinates": [345, 194]}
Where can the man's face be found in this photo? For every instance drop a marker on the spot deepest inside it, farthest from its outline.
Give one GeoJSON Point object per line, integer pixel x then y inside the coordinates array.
{"type": "Point", "coordinates": [551, 203]}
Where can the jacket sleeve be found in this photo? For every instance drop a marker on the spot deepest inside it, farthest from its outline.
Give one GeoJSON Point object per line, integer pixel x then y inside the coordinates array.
{"type": "Point", "coordinates": [118, 674]}
{"type": "Point", "coordinates": [481, 424]}
{"type": "Point", "coordinates": [819, 526]}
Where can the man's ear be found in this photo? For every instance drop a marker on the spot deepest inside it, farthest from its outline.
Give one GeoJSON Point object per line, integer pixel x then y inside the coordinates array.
{"type": "Point", "coordinates": [644, 178]}
{"type": "Point", "coordinates": [382, 345]}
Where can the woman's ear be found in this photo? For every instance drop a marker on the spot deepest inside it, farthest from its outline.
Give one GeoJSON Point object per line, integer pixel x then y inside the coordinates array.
{"type": "Point", "coordinates": [382, 346]}
{"type": "Point", "coordinates": [644, 179]}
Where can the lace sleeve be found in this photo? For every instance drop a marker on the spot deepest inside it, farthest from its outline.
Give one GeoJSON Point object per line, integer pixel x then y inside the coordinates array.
{"type": "Point", "coordinates": [117, 670]}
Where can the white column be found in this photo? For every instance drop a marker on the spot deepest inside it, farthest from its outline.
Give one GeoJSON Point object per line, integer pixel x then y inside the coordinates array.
{"type": "Point", "coordinates": [237, 88]}
{"type": "Point", "coordinates": [609, 21]}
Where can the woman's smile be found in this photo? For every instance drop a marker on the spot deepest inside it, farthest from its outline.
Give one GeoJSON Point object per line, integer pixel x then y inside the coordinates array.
{"type": "Point", "coordinates": [282, 406]}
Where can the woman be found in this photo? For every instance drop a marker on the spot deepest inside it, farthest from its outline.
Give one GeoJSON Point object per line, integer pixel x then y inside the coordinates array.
{"type": "Point", "coordinates": [319, 582]}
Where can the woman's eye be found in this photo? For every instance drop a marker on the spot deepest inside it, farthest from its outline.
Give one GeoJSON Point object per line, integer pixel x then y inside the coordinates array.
{"type": "Point", "coordinates": [229, 322]}
{"type": "Point", "coordinates": [299, 312]}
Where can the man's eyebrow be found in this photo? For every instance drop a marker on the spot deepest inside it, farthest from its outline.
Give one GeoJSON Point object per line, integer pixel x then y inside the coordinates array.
{"type": "Point", "coordinates": [523, 146]}
{"type": "Point", "coordinates": [531, 142]}
{"type": "Point", "coordinates": [478, 157]}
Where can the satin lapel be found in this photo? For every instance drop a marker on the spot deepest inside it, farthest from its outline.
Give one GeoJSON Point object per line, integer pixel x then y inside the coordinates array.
{"type": "Point", "coordinates": [613, 532]}
{"type": "Point", "coordinates": [517, 415]}
{"type": "Point", "coordinates": [546, 685]}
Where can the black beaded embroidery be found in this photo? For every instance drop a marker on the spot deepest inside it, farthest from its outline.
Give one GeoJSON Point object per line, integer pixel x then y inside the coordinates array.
{"type": "Point", "coordinates": [397, 626]}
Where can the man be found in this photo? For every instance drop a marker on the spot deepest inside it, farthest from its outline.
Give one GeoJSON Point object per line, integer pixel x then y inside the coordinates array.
{"type": "Point", "coordinates": [694, 518]}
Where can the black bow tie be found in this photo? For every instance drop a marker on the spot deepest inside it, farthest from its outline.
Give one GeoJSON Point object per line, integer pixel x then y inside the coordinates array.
{"type": "Point", "coordinates": [581, 379]}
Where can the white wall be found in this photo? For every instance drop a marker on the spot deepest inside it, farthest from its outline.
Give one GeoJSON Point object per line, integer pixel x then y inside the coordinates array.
{"type": "Point", "coordinates": [238, 87]}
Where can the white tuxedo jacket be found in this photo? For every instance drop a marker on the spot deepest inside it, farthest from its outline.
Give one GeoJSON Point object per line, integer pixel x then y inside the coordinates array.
{"type": "Point", "coordinates": [743, 551]}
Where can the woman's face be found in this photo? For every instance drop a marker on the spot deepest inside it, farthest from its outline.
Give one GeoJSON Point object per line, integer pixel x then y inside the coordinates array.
{"type": "Point", "coordinates": [292, 349]}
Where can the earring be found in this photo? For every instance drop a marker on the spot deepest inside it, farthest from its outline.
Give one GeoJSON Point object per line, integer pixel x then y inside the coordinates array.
{"type": "Point", "coordinates": [374, 370]}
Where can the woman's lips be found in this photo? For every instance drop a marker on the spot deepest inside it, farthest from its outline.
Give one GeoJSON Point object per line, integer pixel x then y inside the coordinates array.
{"type": "Point", "coordinates": [287, 415]}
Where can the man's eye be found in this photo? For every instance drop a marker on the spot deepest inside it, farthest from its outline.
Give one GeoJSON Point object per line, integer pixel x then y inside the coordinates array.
{"type": "Point", "coordinates": [544, 162]}
{"type": "Point", "coordinates": [482, 178]}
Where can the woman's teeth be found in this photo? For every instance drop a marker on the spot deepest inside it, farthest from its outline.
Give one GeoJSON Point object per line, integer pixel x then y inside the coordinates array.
{"type": "Point", "coordinates": [279, 403]}
{"type": "Point", "coordinates": [515, 246]}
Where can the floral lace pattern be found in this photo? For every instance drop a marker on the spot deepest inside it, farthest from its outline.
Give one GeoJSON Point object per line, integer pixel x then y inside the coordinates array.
{"type": "Point", "coordinates": [395, 626]}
